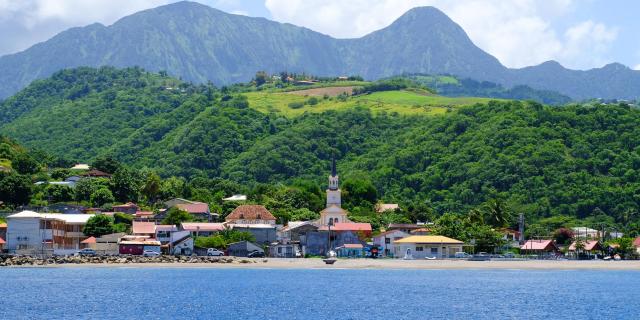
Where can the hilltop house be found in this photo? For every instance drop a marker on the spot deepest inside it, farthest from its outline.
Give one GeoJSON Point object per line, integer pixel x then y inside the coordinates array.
{"type": "Point", "coordinates": [420, 247]}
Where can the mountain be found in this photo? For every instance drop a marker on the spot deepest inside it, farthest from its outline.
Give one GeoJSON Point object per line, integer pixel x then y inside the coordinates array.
{"type": "Point", "coordinates": [578, 160]}
{"type": "Point", "coordinates": [200, 44]}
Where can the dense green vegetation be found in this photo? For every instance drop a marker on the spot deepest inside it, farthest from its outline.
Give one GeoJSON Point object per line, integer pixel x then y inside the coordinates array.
{"type": "Point", "coordinates": [452, 87]}
{"type": "Point", "coordinates": [560, 166]}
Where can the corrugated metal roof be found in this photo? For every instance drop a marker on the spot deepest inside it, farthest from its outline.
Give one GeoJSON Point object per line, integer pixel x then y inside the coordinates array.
{"type": "Point", "coordinates": [202, 226]}
{"type": "Point", "coordinates": [67, 218]}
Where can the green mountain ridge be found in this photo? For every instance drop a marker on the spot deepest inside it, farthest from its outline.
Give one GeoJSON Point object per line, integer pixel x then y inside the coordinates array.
{"type": "Point", "coordinates": [199, 44]}
{"type": "Point", "coordinates": [579, 160]}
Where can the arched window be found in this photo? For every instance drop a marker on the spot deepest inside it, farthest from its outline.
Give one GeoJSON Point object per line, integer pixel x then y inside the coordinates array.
{"type": "Point", "coordinates": [335, 220]}
{"type": "Point", "coordinates": [330, 221]}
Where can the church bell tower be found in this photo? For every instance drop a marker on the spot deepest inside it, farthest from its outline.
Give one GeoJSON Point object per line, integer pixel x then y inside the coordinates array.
{"type": "Point", "coordinates": [333, 192]}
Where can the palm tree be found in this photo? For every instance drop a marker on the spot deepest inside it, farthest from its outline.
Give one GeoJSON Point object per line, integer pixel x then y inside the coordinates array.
{"type": "Point", "coordinates": [498, 213]}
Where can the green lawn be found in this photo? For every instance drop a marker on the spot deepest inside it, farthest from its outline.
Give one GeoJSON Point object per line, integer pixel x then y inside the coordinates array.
{"type": "Point", "coordinates": [402, 102]}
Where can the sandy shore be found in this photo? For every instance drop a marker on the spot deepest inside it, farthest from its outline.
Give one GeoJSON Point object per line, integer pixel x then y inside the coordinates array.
{"type": "Point", "coordinates": [384, 264]}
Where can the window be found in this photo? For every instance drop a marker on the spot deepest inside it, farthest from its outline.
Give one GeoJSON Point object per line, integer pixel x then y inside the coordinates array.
{"type": "Point", "coordinates": [387, 240]}
{"type": "Point", "coordinates": [434, 250]}
{"type": "Point", "coordinates": [419, 249]}
{"type": "Point", "coordinates": [336, 220]}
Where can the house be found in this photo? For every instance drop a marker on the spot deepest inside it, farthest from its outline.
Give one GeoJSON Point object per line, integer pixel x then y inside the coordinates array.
{"type": "Point", "coordinates": [510, 237]}
{"type": "Point", "coordinates": [317, 243]}
{"type": "Point", "coordinates": [350, 250]}
{"type": "Point", "coordinates": [295, 231]}
{"type": "Point", "coordinates": [264, 233]}
{"type": "Point", "coordinates": [108, 243]}
{"type": "Point", "coordinates": [144, 216]}
{"type": "Point", "coordinates": [164, 231]}
{"type": "Point", "coordinates": [2, 244]}
{"type": "Point", "coordinates": [180, 243]}
{"type": "Point", "coordinates": [3, 230]}
{"type": "Point", "coordinates": [61, 233]}
{"type": "Point", "coordinates": [202, 229]}
{"type": "Point", "coordinates": [173, 202]}
{"type": "Point", "coordinates": [137, 245]}
{"type": "Point", "coordinates": [382, 207]}
{"type": "Point", "coordinates": [636, 244]}
{"type": "Point", "coordinates": [421, 232]}
{"type": "Point", "coordinates": [198, 210]}
{"type": "Point", "coordinates": [80, 166]}
{"type": "Point", "coordinates": [404, 227]}
{"type": "Point", "coordinates": [251, 214]}
{"type": "Point", "coordinates": [94, 173]}
{"type": "Point", "coordinates": [142, 228]}
{"type": "Point", "coordinates": [129, 208]}
{"type": "Point", "coordinates": [285, 250]}
{"type": "Point", "coordinates": [540, 247]}
{"type": "Point", "coordinates": [242, 248]}
{"type": "Point", "coordinates": [386, 240]}
{"type": "Point", "coordinates": [591, 247]}
{"type": "Point", "coordinates": [420, 247]}
{"type": "Point", "coordinates": [236, 197]}
{"type": "Point", "coordinates": [88, 243]}
{"type": "Point", "coordinates": [585, 233]}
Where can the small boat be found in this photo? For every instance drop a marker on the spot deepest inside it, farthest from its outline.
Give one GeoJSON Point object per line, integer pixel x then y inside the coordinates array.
{"type": "Point", "coordinates": [331, 258]}
{"type": "Point", "coordinates": [430, 258]}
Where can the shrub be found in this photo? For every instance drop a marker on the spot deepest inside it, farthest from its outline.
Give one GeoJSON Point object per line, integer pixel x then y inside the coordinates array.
{"type": "Point", "coordinates": [296, 105]}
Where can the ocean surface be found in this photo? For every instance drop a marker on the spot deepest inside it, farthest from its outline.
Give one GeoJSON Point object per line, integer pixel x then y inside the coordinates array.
{"type": "Point", "coordinates": [186, 293]}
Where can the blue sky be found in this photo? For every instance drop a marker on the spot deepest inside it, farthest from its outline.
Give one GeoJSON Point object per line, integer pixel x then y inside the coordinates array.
{"type": "Point", "coordinates": [580, 34]}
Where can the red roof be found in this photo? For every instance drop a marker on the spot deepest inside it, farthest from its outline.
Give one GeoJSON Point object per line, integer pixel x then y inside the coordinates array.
{"type": "Point", "coordinates": [636, 242]}
{"type": "Point", "coordinates": [588, 245]}
{"type": "Point", "coordinates": [197, 207]}
{"type": "Point", "coordinates": [144, 213]}
{"type": "Point", "coordinates": [349, 226]}
{"type": "Point", "coordinates": [202, 226]}
{"type": "Point", "coordinates": [2, 241]}
{"type": "Point", "coordinates": [538, 245]}
{"type": "Point", "coordinates": [89, 240]}
{"type": "Point", "coordinates": [140, 227]}
{"type": "Point", "coordinates": [3, 225]}
{"type": "Point", "coordinates": [126, 205]}
{"type": "Point", "coordinates": [250, 212]}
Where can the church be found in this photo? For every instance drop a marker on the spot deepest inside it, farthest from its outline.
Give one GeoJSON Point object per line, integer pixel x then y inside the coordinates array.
{"type": "Point", "coordinates": [333, 213]}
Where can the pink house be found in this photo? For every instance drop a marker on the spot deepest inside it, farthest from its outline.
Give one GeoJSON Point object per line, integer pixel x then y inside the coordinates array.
{"type": "Point", "coordinates": [539, 246]}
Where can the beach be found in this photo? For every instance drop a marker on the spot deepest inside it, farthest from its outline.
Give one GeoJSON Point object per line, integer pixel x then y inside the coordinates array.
{"type": "Point", "coordinates": [275, 263]}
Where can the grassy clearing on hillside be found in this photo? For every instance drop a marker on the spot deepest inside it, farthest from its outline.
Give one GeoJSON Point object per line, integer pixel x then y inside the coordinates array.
{"type": "Point", "coordinates": [402, 102]}
{"type": "Point", "coordinates": [319, 92]}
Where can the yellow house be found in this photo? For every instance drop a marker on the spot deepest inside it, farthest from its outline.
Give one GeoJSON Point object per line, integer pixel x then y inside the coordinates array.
{"type": "Point", "coordinates": [420, 247]}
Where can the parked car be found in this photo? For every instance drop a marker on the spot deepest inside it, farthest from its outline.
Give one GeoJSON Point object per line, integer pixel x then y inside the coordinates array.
{"type": "Point", "coordinates": [461, 255]}
{"type": "Point", "coordinates": [214, 252]}
{"type": "Point", "coordinates": [149, 253]}
{"type": "Point", "coordinates": [87, 252]}
{"type": "Point", "coordinates": [256, 254]}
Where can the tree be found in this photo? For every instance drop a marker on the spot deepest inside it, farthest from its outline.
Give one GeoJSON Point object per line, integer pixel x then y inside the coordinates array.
{"type": "Point", "coordinates": [101, 197]}
{"type": "Point", "coordinates": [497, 213]}
{"type": "Point", "coordinates": [152, 187]}
{"type": "Point", "coordinates": [563, 235]}
{"type": "Point", "coordinates": [485, 238]}
{"type": "Point", "coordinates": [261, 78]}
{"type": "Point", "coordinates": [25, 164]}
{"type": "Point", "coordinates": [106, 164]}
{"type": "Point", "coordinates": [15, 189]}
{"type": "Point", "coordinates": [86, 187]}
{"type": "Point", "coordinates": [176, 216]}
{"type": "Point", "coordinates": [98, 225]}
{"type": "Point", "coordinates": [451, 225]}
{"type": "Point", "coordinates": [359, 192]}
{"type": "Point", "coordinates": [58, 193]}
{"type": "Point", "coordinates": [126, 185]}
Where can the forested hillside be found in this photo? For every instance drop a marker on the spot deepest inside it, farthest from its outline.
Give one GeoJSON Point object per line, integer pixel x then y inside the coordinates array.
{"type": "Point", "coordinates": [576, 160]}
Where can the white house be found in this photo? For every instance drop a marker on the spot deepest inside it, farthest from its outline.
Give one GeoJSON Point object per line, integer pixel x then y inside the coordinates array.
{"type": "Point", "coordinates": [386, 240]}
{"type": "Point", "coordinates": [420, 247]}
{"type": "Point", "coordinates": [61, 233]}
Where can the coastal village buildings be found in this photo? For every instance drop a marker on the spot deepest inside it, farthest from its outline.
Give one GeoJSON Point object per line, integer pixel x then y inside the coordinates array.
{"type": "Point", "coordinates": [539, 247]}
{"type": "Point", "coordinates": [420, 247]}
{"type": "Point", "coordinates": [31, 231]}
{"type": "Point", "coordinates": [386, 240]}
{"type": "Point", "coordinates": [251, 214]}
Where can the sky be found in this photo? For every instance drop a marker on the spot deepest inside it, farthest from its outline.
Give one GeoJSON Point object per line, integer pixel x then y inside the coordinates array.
{"type": "Point", "coordinates": [580, 34]}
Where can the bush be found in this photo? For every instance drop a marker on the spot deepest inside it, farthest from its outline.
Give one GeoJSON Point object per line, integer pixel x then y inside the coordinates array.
{"type": "Point", "coordinates": [312, 101]}
{"type": "Point", "coordinates": [296, 105]}
{"type": "Point", "coordinates": [98, 225]}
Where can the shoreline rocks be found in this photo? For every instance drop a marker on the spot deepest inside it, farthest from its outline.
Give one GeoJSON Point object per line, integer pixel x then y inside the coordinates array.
{"type": "Point", "coordinates": [7, 261]}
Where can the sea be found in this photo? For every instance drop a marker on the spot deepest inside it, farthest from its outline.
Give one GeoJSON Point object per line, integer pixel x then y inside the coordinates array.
{"type": "Point", "coordinates": [214, 293]}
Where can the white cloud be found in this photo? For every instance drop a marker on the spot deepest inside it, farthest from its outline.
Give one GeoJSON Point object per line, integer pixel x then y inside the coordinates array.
{"type": "Point", "coordinates": [637, 67]}
{"type": "Point", "coordinates": [519, 33]}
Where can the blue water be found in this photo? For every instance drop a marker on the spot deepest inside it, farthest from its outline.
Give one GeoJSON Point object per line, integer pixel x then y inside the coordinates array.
{"type": "Point", "coordinates": [149, 293]}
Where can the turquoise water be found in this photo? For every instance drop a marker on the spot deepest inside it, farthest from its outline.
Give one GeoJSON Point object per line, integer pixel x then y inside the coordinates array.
{"type": "Point", "coordinates": [150, 293]}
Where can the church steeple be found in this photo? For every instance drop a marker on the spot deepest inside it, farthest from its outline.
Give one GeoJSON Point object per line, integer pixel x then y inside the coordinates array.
{"type": "Point", "coordinates": [333, 167]}
{"type": "Point", "coordinates": [333, 178]}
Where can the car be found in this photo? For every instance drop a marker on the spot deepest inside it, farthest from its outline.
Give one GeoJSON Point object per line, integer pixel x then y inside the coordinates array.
{"type": "Point", "coordinates": [149, 253]}
{"type": "Point", "coordinates": [214, 252]}
{"type": "Point", "coordinates": [87, 252]}
{"type": "Point", "coordinates": [256, 254]}
{"type": "Point", "coordinates": [461, 255]}
{"type": "Point", "coordinates": [509, 255]}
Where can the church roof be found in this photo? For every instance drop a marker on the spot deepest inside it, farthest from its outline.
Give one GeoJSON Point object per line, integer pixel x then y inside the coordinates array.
{"type": "Point", "coordinates": [333, 209]}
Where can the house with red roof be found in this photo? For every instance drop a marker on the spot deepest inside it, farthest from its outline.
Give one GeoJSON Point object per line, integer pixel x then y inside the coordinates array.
{"type": "Point", "coordinates": [251, 214]}
{"type": "Point", "coordinates": [544, 247]}
{"type": "Point", "coordinates": [636, 244]}
{"type": "Point", "coordinates": [129, 207]}
{"type": "Point", "coordinates": [590, 248]}
{"type": "Point", "coordinates": [144, 228]}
